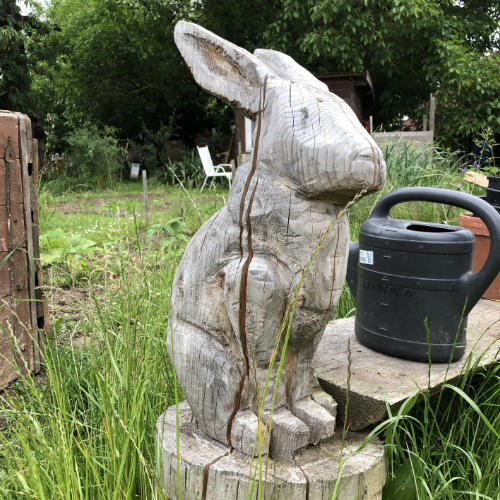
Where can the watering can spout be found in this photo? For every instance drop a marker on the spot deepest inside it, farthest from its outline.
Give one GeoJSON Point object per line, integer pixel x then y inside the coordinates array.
{"type": "Point", "coordinates": [352, 268]}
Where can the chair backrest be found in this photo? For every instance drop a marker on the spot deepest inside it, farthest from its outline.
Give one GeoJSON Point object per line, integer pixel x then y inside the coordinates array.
{"type": "Point", "coordinates": [206, 160]}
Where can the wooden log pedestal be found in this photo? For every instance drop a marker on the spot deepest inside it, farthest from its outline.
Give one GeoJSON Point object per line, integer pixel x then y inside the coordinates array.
{"type": "Point", "coordinates": [210, 471]}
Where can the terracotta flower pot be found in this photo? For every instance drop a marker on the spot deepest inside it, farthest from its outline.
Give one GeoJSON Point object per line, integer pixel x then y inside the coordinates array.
{"type": "Point", "coordinates": [476, 225]}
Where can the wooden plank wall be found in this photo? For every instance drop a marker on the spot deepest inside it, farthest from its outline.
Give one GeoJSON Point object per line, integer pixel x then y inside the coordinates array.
{"type": "Point", "coordinates": [19, 323]}
{"type": "Point", "coordinates": [414, 138]}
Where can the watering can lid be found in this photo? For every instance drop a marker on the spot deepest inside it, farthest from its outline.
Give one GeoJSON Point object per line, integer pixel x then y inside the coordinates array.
{"type": "Point", "coordinates": [416, 236]}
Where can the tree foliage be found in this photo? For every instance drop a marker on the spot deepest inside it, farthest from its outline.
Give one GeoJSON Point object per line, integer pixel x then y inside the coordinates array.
{"type": "Point", "coordinates": [16, 34]}
{"type": "Point", "coordinates": [115, 62]}
{"type": "Point", "coordinates": [118, 65]}
{"type": "Point", "coordinates": [410, 47]}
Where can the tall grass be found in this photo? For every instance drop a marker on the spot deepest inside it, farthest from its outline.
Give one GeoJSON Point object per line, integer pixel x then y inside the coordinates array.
{"type": "Point", "coordinates": [447, 446]}
{"type": "Point", "coordinates": [85, 428]}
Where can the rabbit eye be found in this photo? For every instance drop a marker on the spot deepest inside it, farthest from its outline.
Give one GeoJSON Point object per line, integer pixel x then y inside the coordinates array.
{"type": "Point", "coordinates": [305, 114]}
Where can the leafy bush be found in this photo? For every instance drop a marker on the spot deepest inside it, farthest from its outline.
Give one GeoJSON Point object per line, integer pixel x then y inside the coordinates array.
{"type": "Point", "coordinates": [189, 171]}
{"type": "Point", "coordinates": [174, 241]}
{"type": "Point", "coordinates": [154, 146]}
{"type": "Point", "coordinates": [127, 206]}
{"type": "Point", "coordinates": [55, 246]}
{"type": "Point", "coordinates": [93, 160]}
{"type": "Point", "coordinates": [58, 248]}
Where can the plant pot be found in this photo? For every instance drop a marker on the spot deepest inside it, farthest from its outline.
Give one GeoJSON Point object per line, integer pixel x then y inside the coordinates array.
{"type": "Point", "coordinates": [481, 250]}
{"type": "Point", "coordinates": [493, 196]}
{"type": "Point", "coordinates": [494, 182]}
{"type": "Point", "coordinates": [496, 207]}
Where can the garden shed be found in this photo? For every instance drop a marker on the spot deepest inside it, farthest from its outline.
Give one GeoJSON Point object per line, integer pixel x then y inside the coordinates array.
{"type": "Point", "coordinates": [356, 89]}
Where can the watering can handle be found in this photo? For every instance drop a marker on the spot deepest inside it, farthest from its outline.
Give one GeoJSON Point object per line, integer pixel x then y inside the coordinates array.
{"type": "Point", "coordinates": [472, 286]}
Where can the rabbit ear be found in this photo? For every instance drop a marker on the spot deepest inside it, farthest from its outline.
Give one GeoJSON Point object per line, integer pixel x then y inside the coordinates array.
{"type": "Point", "coordinates": [287, 69]}
{"type": "Point", "coordinates": [221, 68]}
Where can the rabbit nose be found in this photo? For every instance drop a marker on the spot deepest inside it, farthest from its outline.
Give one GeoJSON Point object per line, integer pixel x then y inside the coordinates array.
{"type": "Point", "coordinates": [366, 166]}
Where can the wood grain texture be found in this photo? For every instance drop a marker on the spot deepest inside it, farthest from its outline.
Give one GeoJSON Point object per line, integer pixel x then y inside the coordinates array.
{"type": "Point", "coordinates": [238, 273]}
{"type": "Point", "coordinates": [26, 157]}
{"type": "Point", "coordinates": [476, 178]}
{"type": "Point", "coordinates": [415, 139]}
{"type": "Point", "coordinates": [377, 377]}
{"type": "Point", "coordinates": [211, 471]}
{"type": "Point", "coordinates": [18, 241]}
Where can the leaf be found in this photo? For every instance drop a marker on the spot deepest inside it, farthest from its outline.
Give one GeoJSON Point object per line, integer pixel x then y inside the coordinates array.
{"type": "Point", "coordinates": [53, 239]}
{"type": "Point", "coordinates": [167, 243]}
{"type": "Point", "coordinates": [402, 485]}
{"type": "Point", "coordinates": [57, 325]}
{"type": "Point", "coordinates": [149, 234]}
{"type": "Point", "coordinates": [79, 241]}
{"type": "Point", "coordinates": [51, 256]}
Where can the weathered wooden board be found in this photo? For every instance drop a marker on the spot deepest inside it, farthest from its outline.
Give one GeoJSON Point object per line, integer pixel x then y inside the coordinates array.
{"type": "Point", "coordinates": [477, 179]}
{"type": "Point", "coordinates": [211, 471]}
{"type": "Point", "coordinates": [377, 378]}
{"type": "Point", "coordinates": [416, 139]}
{"type": "Point", "coordinates": [20, 280]}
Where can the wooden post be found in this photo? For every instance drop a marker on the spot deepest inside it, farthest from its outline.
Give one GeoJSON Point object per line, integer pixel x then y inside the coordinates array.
{"type": "Point", "coordinates": [425, 123]}
{"type": "Point", "coordinates": [432, 114]}
{"type": "Point", "coordinates": [145, 189]}
{"type": "Point", "coordinates": [25, 158]}
{"type": "Point", "coordinates": [371, 124]}
{"type": "Point", "coordinates": [211, 471]}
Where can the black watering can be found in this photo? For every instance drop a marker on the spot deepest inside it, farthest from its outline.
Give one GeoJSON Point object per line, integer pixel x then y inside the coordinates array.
{"type": "Point", "coordinates": [403, 273]}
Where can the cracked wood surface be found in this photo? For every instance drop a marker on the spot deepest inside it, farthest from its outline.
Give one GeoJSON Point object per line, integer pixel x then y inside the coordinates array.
{"type": "Point", "coordinates": [20, 280]}
{"type": "Point", "coordinates": [16, 345]}
{"type": "Point", "coordinates": [376, 377]}
{"type": "Point", "coordinates": [212, 471]}
{"type": "Point", "coordinates": [238, 273]}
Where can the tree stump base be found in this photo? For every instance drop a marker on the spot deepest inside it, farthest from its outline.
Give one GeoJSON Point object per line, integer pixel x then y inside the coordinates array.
{"type": "Point", "coordinates": [210, 471]}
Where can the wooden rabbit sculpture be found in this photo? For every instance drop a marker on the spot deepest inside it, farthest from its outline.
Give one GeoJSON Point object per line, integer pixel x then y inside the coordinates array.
{"type": "Point", "coordinates": [238, 273]}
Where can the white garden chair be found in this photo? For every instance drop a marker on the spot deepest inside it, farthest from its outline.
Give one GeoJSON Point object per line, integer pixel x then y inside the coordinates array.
{"type": "Point", "coordinates": [210, 170]}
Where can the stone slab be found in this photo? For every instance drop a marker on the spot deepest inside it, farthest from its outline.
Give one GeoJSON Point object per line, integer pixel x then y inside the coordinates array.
{"type": "Point", "coordinates": [377, 378]}
{"type": "Point", "coordinates": [209, 470]}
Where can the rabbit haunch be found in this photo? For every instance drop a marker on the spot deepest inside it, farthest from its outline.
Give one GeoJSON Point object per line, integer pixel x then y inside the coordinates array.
{"type": "Point", "coordinates": [313, 157]}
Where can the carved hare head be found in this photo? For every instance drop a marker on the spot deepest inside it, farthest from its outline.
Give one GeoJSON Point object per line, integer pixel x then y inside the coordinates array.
{"type": "Point", "coordinates": [310, 137]}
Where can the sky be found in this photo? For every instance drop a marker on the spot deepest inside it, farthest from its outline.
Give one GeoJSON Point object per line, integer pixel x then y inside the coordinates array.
{"type": "Point", "coordinates": [26, 9]}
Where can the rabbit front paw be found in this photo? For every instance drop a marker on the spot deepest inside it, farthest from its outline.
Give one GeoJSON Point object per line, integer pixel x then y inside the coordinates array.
{"type": "Point", "coordinates": [319, 420]}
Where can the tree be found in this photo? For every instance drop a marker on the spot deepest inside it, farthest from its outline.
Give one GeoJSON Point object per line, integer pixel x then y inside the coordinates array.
{"type": "Point", "coordinates": [410, 47]}
{"type": "Point", "coordinates": [118, 65]}
{"type": "Point", "coordinates": [16, 34]}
